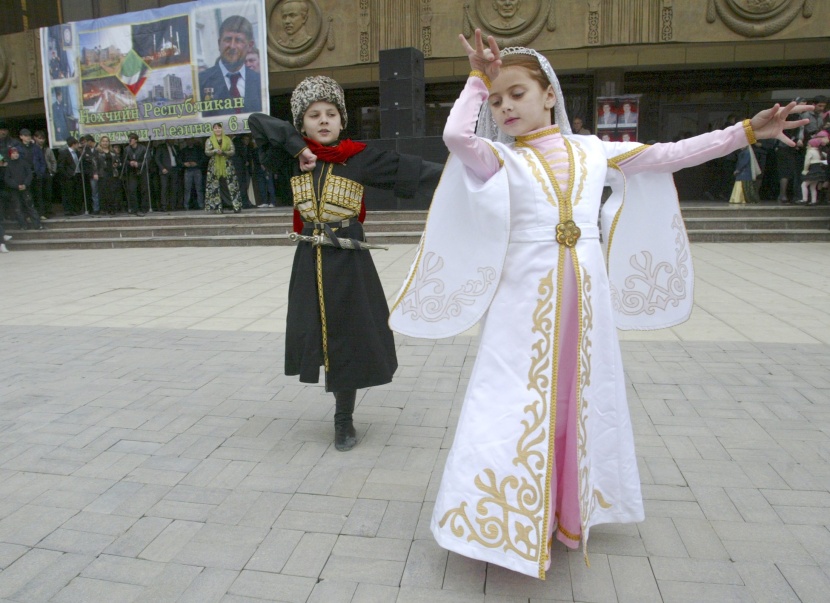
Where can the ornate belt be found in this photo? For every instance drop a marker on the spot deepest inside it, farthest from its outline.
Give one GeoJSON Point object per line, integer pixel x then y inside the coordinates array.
{"type": "Point", "coordinates": [332, 225]}
{"type": "Point", "coordinates": [565, 233]}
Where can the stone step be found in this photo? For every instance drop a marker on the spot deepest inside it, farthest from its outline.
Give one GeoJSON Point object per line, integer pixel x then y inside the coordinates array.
{"type": "Point", "coordinates": [705, 222]}
{"type": "Point", "coordinates": [758, 223]}
{"type": "Point", "coordinates": [733, 212]}
{"type": "Point", "coordinates": [200, 217]}
{"type": "Point", "coordinates": [392, 238]}
{"type": "Point", "coordinates": [758, 236]}
{"type": "Point", "coordinates": [217, 229]}
{"type": "Point", "coordinates": [697, 236]}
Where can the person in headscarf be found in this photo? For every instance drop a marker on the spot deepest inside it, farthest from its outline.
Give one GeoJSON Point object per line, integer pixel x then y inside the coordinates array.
{"type": "Point", "coordinates": [221, 185]}
{"type": "Point", "coordinates": [746, 171]}
{"type": "Point", "coordinates": [544, 447]}
{"type": "Point", "coordinates": [337, 311]}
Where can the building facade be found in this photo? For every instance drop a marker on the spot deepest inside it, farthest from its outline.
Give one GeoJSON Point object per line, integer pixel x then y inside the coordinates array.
{"type": "Point", "coordinates": [694, 62]}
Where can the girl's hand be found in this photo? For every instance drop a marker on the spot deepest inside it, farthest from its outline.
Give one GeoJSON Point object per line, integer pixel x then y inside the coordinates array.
{"type": "Point", "coordinates": [483, 59]}
{"type": "Point", "coordinates": [307, 160]}
{"type": "Point", "coordinates": [771, 123]}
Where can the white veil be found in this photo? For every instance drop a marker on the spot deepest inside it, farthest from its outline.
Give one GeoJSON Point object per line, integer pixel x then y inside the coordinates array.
{"type": "Point", "coordinates": [486, 126]}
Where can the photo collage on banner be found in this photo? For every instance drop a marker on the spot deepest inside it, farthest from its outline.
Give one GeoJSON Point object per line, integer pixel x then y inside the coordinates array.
{"type": "Point", "coordinates": [617, 118]}
{"type": "Point", "coordinates": [162, 73]}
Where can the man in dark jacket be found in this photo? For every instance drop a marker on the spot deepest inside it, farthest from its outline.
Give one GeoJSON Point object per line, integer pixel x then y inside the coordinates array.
{"type": "Point", "coordinates": [194, 160]}
{"type": "Point", "coordinates": [69, 175]}
{"type": "Point", "coordinates": [33, 154]}
{"type": "Point", "coordinates": [135, 173]}
{"type": "Point", "coordinates": [169, 169]}
{"type": "Point", "coordinates": [18, 179]}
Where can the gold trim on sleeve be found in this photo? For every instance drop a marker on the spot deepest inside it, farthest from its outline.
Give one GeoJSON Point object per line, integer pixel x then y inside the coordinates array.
{"type": "Point", "coordinates": [300, 153]}
{"type": "Point", "coordinates": [496, 153]}
{"type": "Point", "coordinates": [623, 156]}
{"type": "Point", "coordinates": [750, 132]}
{"type": "Point", "coordinates": [482, 76]}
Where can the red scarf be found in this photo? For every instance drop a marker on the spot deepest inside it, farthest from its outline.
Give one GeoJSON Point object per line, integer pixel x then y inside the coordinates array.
{"type": "Point", "coordinates": [338, 153]}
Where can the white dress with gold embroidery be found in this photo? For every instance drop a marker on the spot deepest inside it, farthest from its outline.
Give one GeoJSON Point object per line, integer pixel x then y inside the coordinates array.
{"type": "Point", "coordinates": [522, 254]}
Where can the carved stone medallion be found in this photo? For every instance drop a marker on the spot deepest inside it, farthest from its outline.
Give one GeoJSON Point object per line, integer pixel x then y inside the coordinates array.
{"type": "Point", "coordinates": [511, 22]}
{"type": "Point", "coordinates": [758, 18]}
{"type": "Point", "coordinates": [296, 33]}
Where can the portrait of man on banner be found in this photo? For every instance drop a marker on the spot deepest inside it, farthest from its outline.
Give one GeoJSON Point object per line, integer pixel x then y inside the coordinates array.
{"type": "Point", "coordinates": [225, 74]}
{"type": "Point", "coordinates": [64, 113]}
{"type": "Point", "coordinates": [62, 54]}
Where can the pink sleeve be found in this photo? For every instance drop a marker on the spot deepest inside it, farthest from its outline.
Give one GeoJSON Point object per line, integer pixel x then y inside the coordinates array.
{"type": "Point", "coordinates": [673, 156]}
{"type": "Point", "coordinates": [475, 153]}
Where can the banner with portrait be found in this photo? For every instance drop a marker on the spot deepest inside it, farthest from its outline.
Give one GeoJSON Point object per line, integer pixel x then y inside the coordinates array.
{"type": "Point", "coordinates": [162, 73]}
{"type": "Point", "coordinates": [617, 117]}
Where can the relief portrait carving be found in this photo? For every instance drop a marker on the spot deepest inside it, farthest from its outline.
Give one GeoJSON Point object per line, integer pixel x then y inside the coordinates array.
{"type": "Point", "coordinates": [758, 18]}
{"type": "Point", "coordinates": [507, 18]}
{"type": "Point", "coordinates": [294, 19]}
{"type": "Point", "coordinates": [298, 32]}
{"type": "Point", "coordinates": [511, 22]}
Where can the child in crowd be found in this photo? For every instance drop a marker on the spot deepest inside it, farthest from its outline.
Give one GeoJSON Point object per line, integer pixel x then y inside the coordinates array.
{"type": "Point", "coordinates": [18, 180]}
{"type": "Point", "coordinates": [746, 171]}
{"type": "Point", "coordinates": [815, 167]}
{"type": "Point", "coordinates": [544, 446]}
{"type": "Point", "coordinates": [337, 311]}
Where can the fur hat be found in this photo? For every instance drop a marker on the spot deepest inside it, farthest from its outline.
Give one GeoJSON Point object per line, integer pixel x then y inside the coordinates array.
{"type": "Point", "coordinates": [316, 88]}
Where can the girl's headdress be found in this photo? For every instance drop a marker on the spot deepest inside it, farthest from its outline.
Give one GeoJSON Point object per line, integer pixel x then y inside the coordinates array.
{"type": "Point", "coordinates": [486, 127]}
{"type": "Point", "coordinates": [316, 88]}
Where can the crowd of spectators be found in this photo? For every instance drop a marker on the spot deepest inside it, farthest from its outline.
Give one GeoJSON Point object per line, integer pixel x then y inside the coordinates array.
{"type": "Point", "coordinates": [90, 176]}
{"type": "Point", "coordinates": [782, 168]}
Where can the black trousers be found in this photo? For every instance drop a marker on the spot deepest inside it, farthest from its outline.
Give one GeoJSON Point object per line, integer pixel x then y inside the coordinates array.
{"type": "Point", "coordinates": [136, 192]}
{"type": "Point", "coordinates": [71, 194]}
{"type": "Point", "coordinates": [25, 212]}
{"type": "Point", "coordinates": [171, 185]}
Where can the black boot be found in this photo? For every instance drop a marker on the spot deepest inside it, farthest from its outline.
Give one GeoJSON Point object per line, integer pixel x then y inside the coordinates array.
{"type": "Point", "coordinates": [345, 436]}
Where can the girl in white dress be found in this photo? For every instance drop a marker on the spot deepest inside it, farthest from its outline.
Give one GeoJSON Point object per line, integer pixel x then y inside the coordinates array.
{"type": "Point", "coordinates": [544, 447]}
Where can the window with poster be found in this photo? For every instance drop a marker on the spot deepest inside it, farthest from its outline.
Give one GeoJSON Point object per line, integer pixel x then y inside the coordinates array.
{"type": "Point", "coordinates": [617, 117]}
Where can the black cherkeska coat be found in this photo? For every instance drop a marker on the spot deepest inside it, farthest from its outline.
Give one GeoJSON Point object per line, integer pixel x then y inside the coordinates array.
{"type": "Point", "coordinates": [337, 311]}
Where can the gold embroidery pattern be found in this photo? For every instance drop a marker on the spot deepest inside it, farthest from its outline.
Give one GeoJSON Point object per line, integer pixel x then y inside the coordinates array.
{"type": "Point", "coordinates": [496, 153]}
{"type": "Point", "coordinates": [534, 169]}
{"type": "Point", "coordinates": [510, 515]}
{"type": "Point", "coordinates": [537, 135]}
{"type": "Point", "coordinates": [341, 198]}
{"type": "Point", "coordinates": [302, 188]}
{"type": "Point", "coordinates": [656, 291]}
{"type": "Point", "coordinates": [616, 216]}
{"type": "Point", "coordinates": [584, 171]}
{"type": "Point", "coordinates": [589, 497]}
{"type": "Point", "coordinates": [413, 273]}
{"type": "Point", "coordinates": [436, 307]}
{"type": "Point", "coordinates": [322, 307]}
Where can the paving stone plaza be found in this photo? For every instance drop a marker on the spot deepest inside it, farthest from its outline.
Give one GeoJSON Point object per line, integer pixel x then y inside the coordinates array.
{"type": "Point", "coordinates": [151, 449]}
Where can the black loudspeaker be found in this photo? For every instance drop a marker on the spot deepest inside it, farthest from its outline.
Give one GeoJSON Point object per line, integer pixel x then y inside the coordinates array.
{"type": "Point", "coordinates": [402, 123]}
{"type": "Point", "coordinates": [401, 93]}
{"type": "Point", "coordinates": [401, 63]}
